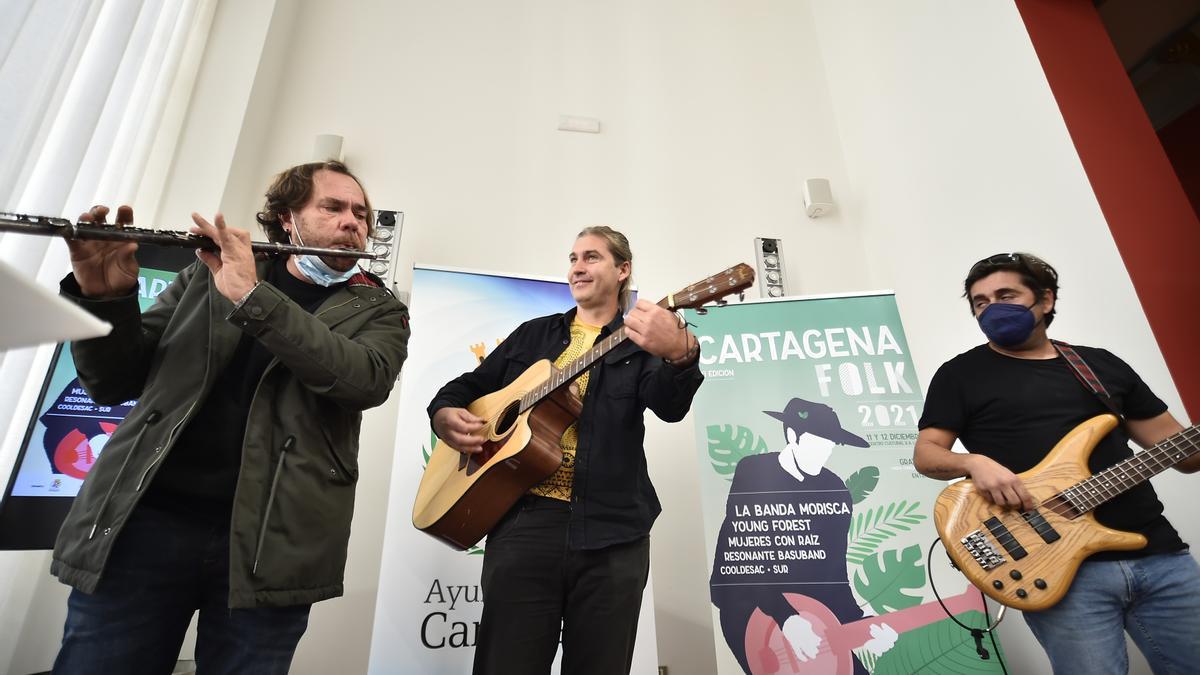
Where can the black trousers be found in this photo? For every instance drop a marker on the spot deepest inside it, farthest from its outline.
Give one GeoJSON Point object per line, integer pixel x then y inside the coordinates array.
{"type": "Point", "coordinates": [533, 586]}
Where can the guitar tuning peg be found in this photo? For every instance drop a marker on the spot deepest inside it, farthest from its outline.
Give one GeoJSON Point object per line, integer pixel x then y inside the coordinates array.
{"type": "Point", "coordinates": [722, 303]}
{"type": "Point", "coordinates": [741, 296]}
{"type": "Point", "coordinates": [702, 311]}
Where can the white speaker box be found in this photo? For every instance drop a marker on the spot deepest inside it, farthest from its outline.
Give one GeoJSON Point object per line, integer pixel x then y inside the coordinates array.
{"type": "Point", "coordinates": [818, 198]}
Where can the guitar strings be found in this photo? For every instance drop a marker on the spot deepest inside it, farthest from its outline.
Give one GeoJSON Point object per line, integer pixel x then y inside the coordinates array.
{"type": "Point", "coordinates": [1102, 486]}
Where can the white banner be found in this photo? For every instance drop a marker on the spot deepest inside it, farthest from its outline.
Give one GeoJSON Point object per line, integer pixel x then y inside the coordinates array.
{"type": "Point", "coordinates": [429, 603]}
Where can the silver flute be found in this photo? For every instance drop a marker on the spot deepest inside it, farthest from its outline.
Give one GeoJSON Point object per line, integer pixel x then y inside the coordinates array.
{"type": "Point", "coordinates": [61, 227]}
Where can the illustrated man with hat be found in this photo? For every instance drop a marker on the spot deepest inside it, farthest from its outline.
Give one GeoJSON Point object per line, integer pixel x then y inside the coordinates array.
{"type": "Point", "coordinates": [786, 522]}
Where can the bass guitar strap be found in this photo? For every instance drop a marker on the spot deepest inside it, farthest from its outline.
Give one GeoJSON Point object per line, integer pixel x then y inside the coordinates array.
{"type": "Point", "coordinates": [1083, 372]}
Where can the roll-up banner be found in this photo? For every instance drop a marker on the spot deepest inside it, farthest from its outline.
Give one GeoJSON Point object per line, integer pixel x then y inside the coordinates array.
{"type": "Point", "coordinates": [816, 524]}
{"type": "Point", "coordinates": [429, 602]}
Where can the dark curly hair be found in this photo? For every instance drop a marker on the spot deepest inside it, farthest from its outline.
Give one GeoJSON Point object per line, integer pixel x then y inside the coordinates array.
{"type": "Point", "coordinates": [292, 189]}
{"type": "Point", "coordinates": [1037, 275]}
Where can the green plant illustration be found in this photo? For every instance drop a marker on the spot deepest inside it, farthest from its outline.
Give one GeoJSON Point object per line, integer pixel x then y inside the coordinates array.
{"type": "Point", "coordinates": [426, 453]}
{"type": "Point", "coordinates": [872, 527]}
{"type": "Point", "coordinates": [862, 482]}
{"type": "Point", "coordinates": [941, 648]}
{"type": "Point", "coordinates": [728, 444]}
{"type": "Point", "coordinates": [885, 576]}
{"type": "Point", "coordinates": [867, 659]}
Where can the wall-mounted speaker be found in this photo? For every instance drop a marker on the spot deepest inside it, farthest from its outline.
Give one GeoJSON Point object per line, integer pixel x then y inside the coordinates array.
{"type": "Point", "coordinates": [818, 198]}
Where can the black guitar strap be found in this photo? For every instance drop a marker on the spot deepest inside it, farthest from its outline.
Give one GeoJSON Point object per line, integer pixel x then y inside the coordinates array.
{"type": "Point", "coordinates": [1086, 377]}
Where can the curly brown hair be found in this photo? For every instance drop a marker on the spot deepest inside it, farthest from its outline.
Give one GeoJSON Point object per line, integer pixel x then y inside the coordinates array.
{"type": "Point", "coordinates": [292, 189]}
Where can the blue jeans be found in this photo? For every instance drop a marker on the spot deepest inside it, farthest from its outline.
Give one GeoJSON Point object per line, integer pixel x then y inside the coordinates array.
{"type": "Point", "coordinates": [1156, 599]}
{"type": "Point", "coordinates": [163, 568]}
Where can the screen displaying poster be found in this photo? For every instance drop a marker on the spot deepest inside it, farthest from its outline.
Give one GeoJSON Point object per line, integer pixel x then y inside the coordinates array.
{"type": "Point", "coordinates": [430, 601]}
{"type": "Point", "coordinates": [68, 429]}
{"type": "Point", "coordinates": [816, 524]}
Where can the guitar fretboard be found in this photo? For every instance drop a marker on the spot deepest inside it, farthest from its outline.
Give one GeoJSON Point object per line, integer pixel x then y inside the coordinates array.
{"type": "Point", "coordinates": [561, 376]}
{"type": "Point", "coordinates": [1120, 477]}
{"type": "Point", "coordinates": [732, 280]}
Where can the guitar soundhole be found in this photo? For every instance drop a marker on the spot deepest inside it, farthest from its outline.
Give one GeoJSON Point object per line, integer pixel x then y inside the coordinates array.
{"type": "Point", "coordinates": [508, 418]}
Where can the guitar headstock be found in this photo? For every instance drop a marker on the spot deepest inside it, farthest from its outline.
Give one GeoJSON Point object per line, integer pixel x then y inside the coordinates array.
{"type": "Point", "coordinates": [736, 279]}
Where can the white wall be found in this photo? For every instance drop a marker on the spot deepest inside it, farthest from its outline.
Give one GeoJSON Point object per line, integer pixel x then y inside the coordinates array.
{"type": "Point", "coordinates": [932, 120]}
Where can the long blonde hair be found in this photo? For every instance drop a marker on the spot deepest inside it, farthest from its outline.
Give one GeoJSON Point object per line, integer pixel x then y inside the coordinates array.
{"type": "Point", "coordinates": [618, 246]}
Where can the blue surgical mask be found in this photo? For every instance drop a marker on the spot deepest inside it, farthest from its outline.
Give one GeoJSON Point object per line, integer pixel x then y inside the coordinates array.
{"type": "Point", "coordinates": [1007, 325]}
{"type": "Point", "coordinates": [314, 268]}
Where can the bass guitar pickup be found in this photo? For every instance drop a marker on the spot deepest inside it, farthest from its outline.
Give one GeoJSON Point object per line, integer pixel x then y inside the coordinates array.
{"type": "Point", "coordinates": [1039, 524]}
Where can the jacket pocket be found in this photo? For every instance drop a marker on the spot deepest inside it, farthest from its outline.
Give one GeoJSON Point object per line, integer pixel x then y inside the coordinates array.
{"type": "Point", "coordinates": [341, 442]}
{"type": "Point", "coordinates": [288, 443]}
{"type": "Point", "coordinates": [621, 374]}
{"type": "Point", "coordinates": [151, 418]}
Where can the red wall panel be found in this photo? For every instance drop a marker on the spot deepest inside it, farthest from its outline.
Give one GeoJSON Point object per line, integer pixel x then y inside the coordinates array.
{"type": "Point", "coordinates": [1156, 230]}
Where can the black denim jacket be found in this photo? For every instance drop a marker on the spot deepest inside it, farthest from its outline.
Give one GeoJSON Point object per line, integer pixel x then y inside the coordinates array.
{"type": "Point", "coordinates": [612, 499]}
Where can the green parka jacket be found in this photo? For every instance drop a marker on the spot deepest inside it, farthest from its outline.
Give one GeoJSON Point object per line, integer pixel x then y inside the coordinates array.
{"type": "Point", "coordinates": [295, 491]}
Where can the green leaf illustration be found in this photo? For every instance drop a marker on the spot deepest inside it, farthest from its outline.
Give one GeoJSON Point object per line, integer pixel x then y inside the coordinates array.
{"type": "Point", "coordinates": [885, 576]}
{"type": "Point", "coordinates": [862, 482]}
{"type": "Point", "coordinates": [872, 527]}
{"type": "Point", "coordinates": [941, 648]}
{"type": "Point", "coordinates": [867, 659]}
{"type": "Point", "coordinates": [427, 452]}
{"type": "Point", "coordinates": [728, 444]}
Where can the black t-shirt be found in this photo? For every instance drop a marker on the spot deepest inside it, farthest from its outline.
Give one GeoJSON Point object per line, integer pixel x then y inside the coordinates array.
{"type": "Point", "coordinates": [199, 475]}
{"type": "Point", "coordinates": [1015, 411]}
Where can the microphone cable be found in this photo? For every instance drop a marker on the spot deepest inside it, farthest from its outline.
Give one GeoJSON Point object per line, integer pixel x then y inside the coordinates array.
{"type": "Point", "coordinates": [976, 633]}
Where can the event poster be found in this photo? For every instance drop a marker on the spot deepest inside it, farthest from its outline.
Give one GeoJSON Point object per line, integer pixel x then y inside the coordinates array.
{"type": "Point", "coordinates": [70, 429]}
{"type": "Point", "coordinates": [816, 524]}
{"type": "Point", "coordinates": [430, 601]}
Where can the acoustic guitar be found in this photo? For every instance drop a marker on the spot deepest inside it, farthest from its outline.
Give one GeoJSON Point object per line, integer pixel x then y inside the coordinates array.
{"type": "Point", "coordinates": [1027, 560]}
{"type": "Point", "coordinates": [461, 497]}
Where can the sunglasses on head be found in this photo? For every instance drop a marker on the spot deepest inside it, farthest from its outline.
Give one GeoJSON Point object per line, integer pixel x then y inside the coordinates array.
{"type": "Point", "coordinates": [1007, 259]}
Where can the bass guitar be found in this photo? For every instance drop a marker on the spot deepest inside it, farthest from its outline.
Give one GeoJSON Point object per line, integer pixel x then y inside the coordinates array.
{"type": "Point", "coordinates": [1027, 560]}
{"type": "Point", "coordinates": [461, 497]}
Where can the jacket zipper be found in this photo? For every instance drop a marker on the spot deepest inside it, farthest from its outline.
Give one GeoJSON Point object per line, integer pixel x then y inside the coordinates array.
{"type": "Point", "coordinates": [187, 415]}
{"type": "Point", "coordinates": [288, 443]}
{"type": "Point", "coordinates": [137, 441]}
{"type": "Point", "coordinates": [161, 450]}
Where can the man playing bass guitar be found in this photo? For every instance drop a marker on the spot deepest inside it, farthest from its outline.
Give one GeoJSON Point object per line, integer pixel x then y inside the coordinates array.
{"type": "Point", "coordinates": [1010, 401]}
{"type": "Point", "coordinates": [575, 552]}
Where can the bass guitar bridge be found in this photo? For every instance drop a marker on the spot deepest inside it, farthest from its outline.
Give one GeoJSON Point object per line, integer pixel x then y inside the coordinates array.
{"type": "Point", "coordinates": [982, 550]}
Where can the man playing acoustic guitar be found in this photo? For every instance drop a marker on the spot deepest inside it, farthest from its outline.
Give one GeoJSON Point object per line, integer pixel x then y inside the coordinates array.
{"type": "Point", "coordinates": [1010, 401]}
{"type": "Point", "coordinates": [574, 553]}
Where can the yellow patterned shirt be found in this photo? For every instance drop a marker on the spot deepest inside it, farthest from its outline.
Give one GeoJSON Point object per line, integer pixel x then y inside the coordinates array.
{"type": "Point", "coordinates": [558, 486]}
